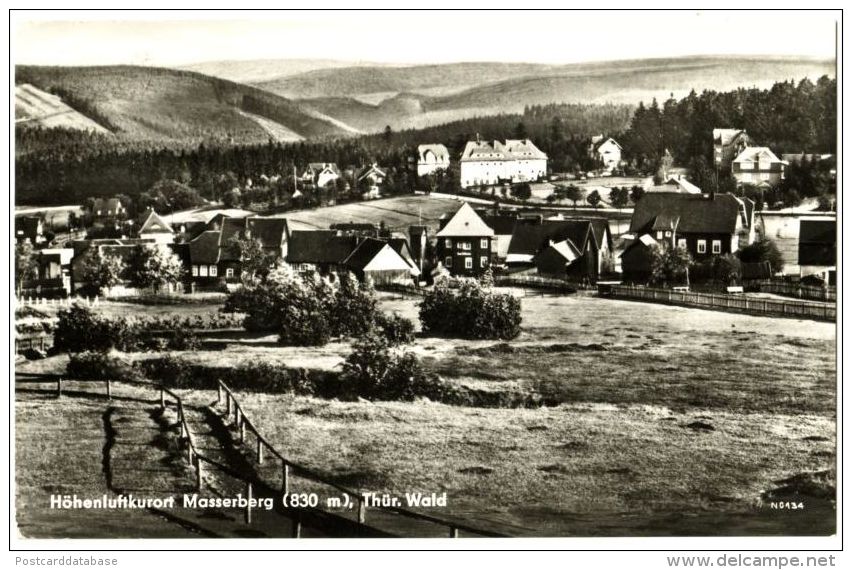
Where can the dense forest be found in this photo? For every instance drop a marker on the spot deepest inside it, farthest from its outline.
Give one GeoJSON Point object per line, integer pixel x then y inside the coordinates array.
{"type": "Point", "coordinates": [59, 166]}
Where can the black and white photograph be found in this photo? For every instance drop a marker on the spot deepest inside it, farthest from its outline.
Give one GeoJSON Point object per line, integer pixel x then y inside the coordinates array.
{"type": "Point", "coordinates": [425, 274]}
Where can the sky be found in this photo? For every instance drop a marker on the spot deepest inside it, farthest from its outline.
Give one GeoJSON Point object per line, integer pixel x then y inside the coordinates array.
{"type": "Point", "coordinates": [180, 38]}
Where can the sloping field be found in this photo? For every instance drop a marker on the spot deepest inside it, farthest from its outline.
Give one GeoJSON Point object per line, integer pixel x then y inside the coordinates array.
{"type": "Point", "coordinates": [398, 213]}
{"type": "Point", "coordinates": [35, 107]}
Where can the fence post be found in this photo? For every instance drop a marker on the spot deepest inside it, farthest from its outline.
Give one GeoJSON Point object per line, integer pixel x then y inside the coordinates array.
{"type": "Point", "coordinates": [227, 405]}
{"type": "Point", "coordinates": [259, 450]}
{"type": "Point", "coordinates": [242, 424]}
{"type": "Point", "coordinates": [197, 473]}
{"type": "Point", "coordinates": [59, 387]}
{"type": "Point", "coordinates": [180, 419]}
{"type": "Point", "coordinates": [362, 510]}
{"type": "Point", "coordinates": [297, 525]}
{"type": "Point", "coordinates": [162, 399]}
{"type": "Point", "coordinates": [218, 392]}
{"type": "Point", "coordinates": [454, 532]}
{"type": "Point", "coordinates": [285, 479]}
{"type": "Point", "coordinates": [109, 389]}
{"type": "Point", "coordinates": [248, 503]}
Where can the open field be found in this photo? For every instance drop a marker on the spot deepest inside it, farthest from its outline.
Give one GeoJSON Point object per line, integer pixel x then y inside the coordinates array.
{"type": "Point", "coordinates": [398, 213]}
{"type": "Point", "coordinates": [661, 420]}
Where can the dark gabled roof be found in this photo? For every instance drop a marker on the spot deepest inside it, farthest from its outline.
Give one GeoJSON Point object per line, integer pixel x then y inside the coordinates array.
{"type": "Point", "coordinates": [502, 224]}
{"type": "Point", "coordinates": [817, 242]}
{"type": "Point", "coordinates": [529, 239]}
{"type": "Point", "coordinates": [364, 253]}
{"type": "Point", "coordinates": [696, 213]}
{"type": "Point", "coordinates": [204, 250]}
{"type": "Point", "coordinates": [400, 245]}
{"type": "Point", "coordinates": [601, 232]}
{"type": "Point", "coordinates": [319, 246]}
{"type": "Point", "coordinates": [271, 232]}
{"type": "Point", "coordinates": [27, 225]}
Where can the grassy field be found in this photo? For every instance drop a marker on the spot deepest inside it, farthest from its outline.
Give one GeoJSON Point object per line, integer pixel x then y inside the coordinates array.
{"type": "Point", "coordinates": [398, 213]}
{"type": "Point", "coordinates": [662, 420]}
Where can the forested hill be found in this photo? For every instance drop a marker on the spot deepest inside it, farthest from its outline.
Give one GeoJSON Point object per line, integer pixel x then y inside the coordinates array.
{"type": "Point", "coordinates": [171, 106]}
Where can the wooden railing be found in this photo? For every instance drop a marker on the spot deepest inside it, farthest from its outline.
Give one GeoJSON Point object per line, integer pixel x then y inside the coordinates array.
{"type": "Point", "coordinates": [828, 293]}
{"type": "Point", "coordinates": [288, 468]}
{"type": "Point", "coordinates": [741, 303]}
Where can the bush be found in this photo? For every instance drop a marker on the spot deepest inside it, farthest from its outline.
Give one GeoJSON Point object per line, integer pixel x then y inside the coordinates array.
{"type": "Point", "coordinates": [305, 310]}
{"type": "Point", "coordinates": [102, 366]}
{"type": "Point", "coordinates": [395, 328]}
{"type": "Point", "coordinates": [184, 339]}
{"type": "Point", "coordinates": [79, 329]}
{"type": "Point", "coordinates": [472, 313]}
{"type": "Point", "coordinates": [371, 371]}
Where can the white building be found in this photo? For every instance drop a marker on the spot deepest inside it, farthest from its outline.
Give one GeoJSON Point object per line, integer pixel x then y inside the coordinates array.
{"type": "Point", "coordinates": [606, 150]}
{"type": "Point", "coordinates": [485, 163]}
{"type": "Point", "coordinates": [431, 158]}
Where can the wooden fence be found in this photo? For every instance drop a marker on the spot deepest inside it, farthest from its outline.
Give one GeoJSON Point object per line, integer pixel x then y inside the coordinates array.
{"type": "Point", "coordinates": [798, 290]}
{"type": "Point", "coordinates": [244, 424]}
{"type": "Point", "coordinates": [536, 282]}
{"type": "Point", "coordinates": [739, 303]}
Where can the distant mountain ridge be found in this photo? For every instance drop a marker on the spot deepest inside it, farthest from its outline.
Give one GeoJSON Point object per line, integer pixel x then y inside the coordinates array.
{"type": "Point", "coordinates": [159, 104]}
{"type": "Point", "coordinates": [369, 98]}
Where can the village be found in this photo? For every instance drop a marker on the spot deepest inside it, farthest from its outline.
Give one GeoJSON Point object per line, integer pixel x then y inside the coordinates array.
{"type": "Point", "coordinates": [203, 249]}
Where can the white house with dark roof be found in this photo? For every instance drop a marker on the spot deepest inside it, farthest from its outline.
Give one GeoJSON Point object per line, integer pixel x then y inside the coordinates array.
{"type": "Point", "coordinates": [606, 150]}
{"type": "Point", "coordinates": [727, 144]}
{"type": "Point", "coordinates": [432, 158]}
{"type": "Point", "coordinates": [465, 243]}
{"type": "Point", "coordinates": [152, 226]}
{"type": "Point", "coordinates": [759, 166]}
{"type": "Point", "coordinates": [493, 162]}
{"type": "Point", "coordinates": [319, 174]}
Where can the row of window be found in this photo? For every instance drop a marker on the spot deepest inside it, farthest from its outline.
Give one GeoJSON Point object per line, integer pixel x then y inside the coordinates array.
{"type": "Point", "coordinates": [760, 165]}
{"type": "Point", "coordinates": [465, 245]}
{"type": "Point", "coordinates": [748, 177]}
{"type": "Point", "coordinates": [468, 262]}
{"type": "Point", "coordinates": [701, 245]}
{"type": "Point", "coordinates": [210, 271]}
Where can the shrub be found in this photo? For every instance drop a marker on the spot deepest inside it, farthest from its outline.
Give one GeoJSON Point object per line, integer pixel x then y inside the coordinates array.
{"type": "Point", "coordinates": [371, 371]}
{"type": "Point", "coordinates": [352, 307]}
{"type": "Point", "coordinates": [472, 312]}
{"type": "Point", "coordinates": [78, 329]}
{"type": "Point", "coordinates": [395, 328]}
{"type": "Point", "coordinates": [184, 339]}
{"type": "Point", "coordinates": [102, 366]}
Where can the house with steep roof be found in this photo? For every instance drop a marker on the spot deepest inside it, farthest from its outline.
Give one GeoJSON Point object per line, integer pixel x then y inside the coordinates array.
{"type": "Point", "coordinates": [213, 254]}
{"type": "Point", "coordinates": [29, 228]}
{"type": "Point", "coordinates": [369, 180]}
{"type": "Point", "coordinates": [320, 174]}
{"type": "Point", "coordinates": [152, 226]}
{"type": "Point", "coordinates": [818, 249]}
{"type": "Point", "coordinates": [494, 162]}
{"type": "Point", "coordinates": [108, 209]}
{"type": "Point", "coordinates": [703, 224]}
{"type": "Point", "coordinates": [576, 250]}
{"type": "Point", "coordinates": [727, 145]}
{"type": "Point", "coordinates": [465, 242]}
{"type": "Point", "coordinates": [432, 158]}
{"type": "Point", "coordinates": [606, 151]}
{"type": "Point", "coordinates": [676, 184]}
{"type": "Point", "coordinates": [757, 165]}
{"type": "Point", "coordinates": [327, 251]}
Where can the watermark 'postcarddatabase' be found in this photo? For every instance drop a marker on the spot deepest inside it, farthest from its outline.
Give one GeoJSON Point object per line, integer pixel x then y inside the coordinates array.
{"type": "Point", "coordinates": [567, 285]}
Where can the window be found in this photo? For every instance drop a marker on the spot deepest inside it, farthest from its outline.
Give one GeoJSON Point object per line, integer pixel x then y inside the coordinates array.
{"type": "Point", "coordinates": [717, 246]}
{"type": "Point", "coordinates": [448, 242]}
{"type": "Point", "coordinates": [746, 177]}
{"type": "Point", "coordinates": [483, 243]}
{"type": "Point", "coordinates": [483, 261]}
{"type": "Point", "coordinates": [468, 263]}
{"type": "Point", "coordinates": [659, 235]}
{"type": "Point", "coordinates": [681, 243]}
{"type": "Point", "coordinates": [465, 245]}
{"type": "Point", "coordinates": [702, 246]}
{"type": "Point", "coordinates": [195, 271]}
{"type": "Point", "coordinates": [229, 272]}
{"type": "Point", "coordinates": [746, 165]}
{"type": "Point", "coordinates": [668, 233]}
{"type": "Point", "coordinates": [214, 271]}
{"type": "Point", "coordinates": [448, 262]}
{"type": "Point", "coordinates": [764, 176]}
{"type": "Point", "coordinates": [202, 271]}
